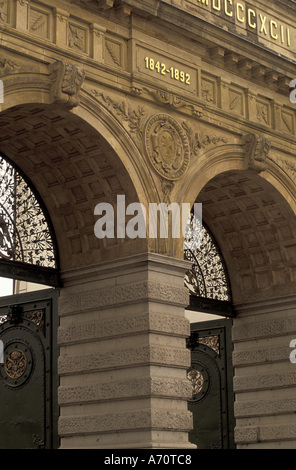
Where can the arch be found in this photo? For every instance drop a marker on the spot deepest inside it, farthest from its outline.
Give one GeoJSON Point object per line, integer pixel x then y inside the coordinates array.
{"type": "Point", "coordinates": [36, 90]}
{"type": "Point", "coordinates": [255, 228]}
{"type": "Point", "coordinates": [28, 246]}
{"type": "Point", "coordinates": [73, 168]}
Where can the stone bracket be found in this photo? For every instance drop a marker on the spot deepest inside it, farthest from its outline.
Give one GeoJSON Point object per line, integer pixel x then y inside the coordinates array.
{"type": "Point", "coordinates": [67, 80]}
{"type": "Point", "coordinates": [257, 148]}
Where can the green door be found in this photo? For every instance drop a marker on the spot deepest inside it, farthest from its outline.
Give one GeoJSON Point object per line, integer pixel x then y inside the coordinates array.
{"type": "Point", "coordinates": [211, 375]}
{"type": "Point", "coordinates": [28, 373]}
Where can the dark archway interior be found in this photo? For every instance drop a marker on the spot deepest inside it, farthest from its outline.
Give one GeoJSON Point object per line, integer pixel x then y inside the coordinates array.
{"type": "Point", "coordinates": [255, 229]}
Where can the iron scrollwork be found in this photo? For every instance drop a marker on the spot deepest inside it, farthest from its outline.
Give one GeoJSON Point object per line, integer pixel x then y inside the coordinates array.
{"type": "Point", "coordinates": [207, 277]}
{"type": "Point", "coordinates": [25, 236]}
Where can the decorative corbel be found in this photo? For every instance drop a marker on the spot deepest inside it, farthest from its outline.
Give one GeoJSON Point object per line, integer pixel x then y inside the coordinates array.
{"type": "Point", "coordinates": [257, 148]}
{"type": "Point", "coordinates": [67, 80]}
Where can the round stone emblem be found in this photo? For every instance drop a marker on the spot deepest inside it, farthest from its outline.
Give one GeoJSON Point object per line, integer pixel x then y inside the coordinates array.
{"type": "Point", "coordinates": [15, 364]}
{"type": "Point", "coordinates": [167, 146]}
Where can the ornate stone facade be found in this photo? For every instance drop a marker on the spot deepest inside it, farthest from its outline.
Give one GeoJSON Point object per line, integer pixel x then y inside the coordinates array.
{"type": "Point", "coordinates": [191, 106]}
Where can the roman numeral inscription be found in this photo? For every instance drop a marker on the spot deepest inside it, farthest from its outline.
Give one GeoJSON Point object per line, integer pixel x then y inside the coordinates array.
{"type": "Point", "coordinates": [250, 18]}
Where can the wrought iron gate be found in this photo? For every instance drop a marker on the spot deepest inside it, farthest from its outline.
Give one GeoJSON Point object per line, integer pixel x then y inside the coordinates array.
{"type": "Point", "coordinates": [28, 375]}
{"type": "Point", "coordinates": [211, 375]}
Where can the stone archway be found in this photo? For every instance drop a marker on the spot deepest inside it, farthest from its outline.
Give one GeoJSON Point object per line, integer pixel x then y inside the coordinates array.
{"type": "Point", "coordinates": [255, 227]}
{"type": "Point", "coordinates": [73, 168]}
{"type": "Point", "coordinates": [256, 230]}
{"type": "Point", "coordinates": [115, 293]}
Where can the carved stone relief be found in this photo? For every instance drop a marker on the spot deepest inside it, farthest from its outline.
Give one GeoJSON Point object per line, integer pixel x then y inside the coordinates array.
{"type": "Point", "coordinates": [172, 101]}
{"type": "Point", "coordinates": [7, 66]}
{"type": "Point", "coordinates": [262, 110]}
{"type": "Point", "coordinates": [288, 167]}
{"type": "Point", "coordinates": [38, 23]}
{"type": "Point", "coordinates": [167, 146]}
{"type": "Point", "coordinates": [67, 80]}
{"type": "Point", "coordinates": [76, 38]}
{"type": "Point", "coordinates": [113, 55]}
{"type": "Point", "coordinates": [257, 148]}
{"type": "Point", "coordinates": [134, 118]}
{"type": "Point", "coordinates": [167, 143]}
{"type": "Point", "coordinates": [3, 11]}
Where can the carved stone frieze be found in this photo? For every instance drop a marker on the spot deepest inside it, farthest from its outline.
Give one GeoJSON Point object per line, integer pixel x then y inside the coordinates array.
{"type": "Point", "coordinates": [129, 357]}
{"type": "Point", "coordinates": [129, 420]}
{"type": "Point", "coordinates": [3, 11]}
{"type": "Point", "coordinates": [257, 148]}
{"type": "Point", "coordinates": [7, 66]}
{"type": "Point", "coordinates": [134, 118]}
{"type": "Point", "coordinates": [67, 80]}
{"type": "Point", "coordinates": [120, 295]}
{"type": "Point", "coordinates": [288, 167]}
{"type": "Point", "coordinates": [76, 38]}
{"type": "Point", "coordinates": [129, 388]}
{"type": "Point", "coordinates": [113, 50]}
{"type": "Point", "coordinates": [128, 325]}
{"type": "Point", "coordinates": [172, 101]}
{"type": "Point", "coordinates": [168, 143]}
{"type": "Point", "coordinates": [167, 146]}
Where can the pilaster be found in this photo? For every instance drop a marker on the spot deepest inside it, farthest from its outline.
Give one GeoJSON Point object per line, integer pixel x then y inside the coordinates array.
{"type": "Point", "coordinates": [61, 18]}
{"type": "Point", "coordinates": [265, 377]}
{"type": "Point", "coordinates": [21, 14]}
{"type": "Point", "coordinates": [123, 356]}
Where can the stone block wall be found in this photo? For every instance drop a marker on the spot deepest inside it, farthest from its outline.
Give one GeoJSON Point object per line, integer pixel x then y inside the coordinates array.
{"type": "Point", "coordinates": [123, 356]}
{"type": "Point", "coordinates": [265, 377]}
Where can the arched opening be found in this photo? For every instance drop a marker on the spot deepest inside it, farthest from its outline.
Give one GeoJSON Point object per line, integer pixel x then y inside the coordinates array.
{"type": "Point", "coordinates": [28, 249]}
{"type": "Point", "coordinates": [73, 168]}
{"type": "Point", "coordinates": [254, 229]}
{"type": "Point", "coordinates": [54, 162]}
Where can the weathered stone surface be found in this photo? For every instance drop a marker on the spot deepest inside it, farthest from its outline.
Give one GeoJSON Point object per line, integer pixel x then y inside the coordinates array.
{"type": "Point", "coordinates": [144, 355]}
{"type": "Point", "coordinates": [157, 419]}
{"type": "Point", "coordinates": [127, 325]}
{"type": "Point", "coordinates": [161, 387]}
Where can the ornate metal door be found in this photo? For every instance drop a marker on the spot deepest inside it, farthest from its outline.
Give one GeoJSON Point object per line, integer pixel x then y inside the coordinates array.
{"type": "Point", "coordinates": [28, 375]}
{"type": "Point", "coordinates": [212, 392]}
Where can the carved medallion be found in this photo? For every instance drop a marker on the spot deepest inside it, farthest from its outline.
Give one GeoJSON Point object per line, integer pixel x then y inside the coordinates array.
{"type": "Point", "coordinates": [15, 364]}
{"type": "Point", "coordinates": [167, 146]}
{"type": "Point", "coordinates": [197, 380]}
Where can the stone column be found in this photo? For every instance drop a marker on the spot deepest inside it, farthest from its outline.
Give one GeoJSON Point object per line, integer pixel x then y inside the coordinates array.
{"type": "Point", "coordinates": [123, 356]}
{"type": "Point", "coordinates": [265, 377]}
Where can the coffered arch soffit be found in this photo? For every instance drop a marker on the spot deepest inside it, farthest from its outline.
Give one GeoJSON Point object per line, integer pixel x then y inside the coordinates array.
{"type": "Point", "coordinates": [252, 216]}
{"type": "Point", "coordinates": [73, 167]}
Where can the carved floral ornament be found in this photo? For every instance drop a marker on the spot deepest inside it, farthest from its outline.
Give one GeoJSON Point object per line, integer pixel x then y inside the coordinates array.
{"type": "Point", "coordinates": [168, 143]}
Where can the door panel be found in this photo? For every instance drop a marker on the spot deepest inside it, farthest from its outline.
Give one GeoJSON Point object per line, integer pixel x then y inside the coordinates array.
{"type": "Point", "coordinates": [211, 375]}
{"type": "Point", "coordinates": [28, 375]}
